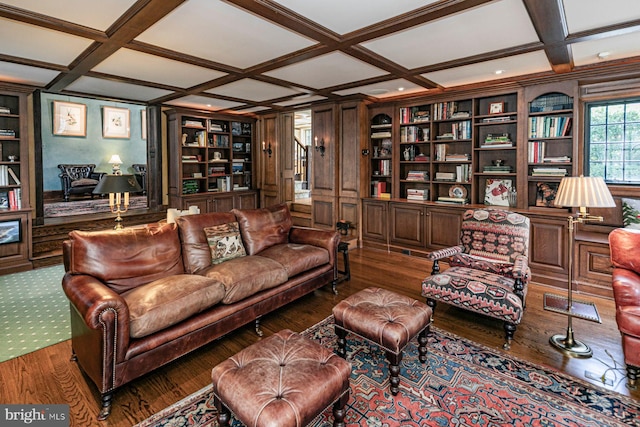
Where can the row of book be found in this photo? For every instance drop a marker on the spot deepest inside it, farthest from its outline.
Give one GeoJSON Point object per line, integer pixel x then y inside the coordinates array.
{"type": "Point", "coordinates": [384, 167]}
{"type": "Point", "coordinates": [549, 127]}
{"type": "Point", "coordinates": [7, 133]}
{"type": "Point", "coordinates": [548, 171]}
{"type": "Point", "coordinates": [537, 154]}
{"type": "Point", "coordinates": [413, 134]}
{"type": "Point", "coordinates": [448, 110]}
{"type": "Point", "coordinates": [414, 114]}
{"type": "Point", "coordinates": [8, 176]}
{"type": "Point", "coordinates": [11, 199]}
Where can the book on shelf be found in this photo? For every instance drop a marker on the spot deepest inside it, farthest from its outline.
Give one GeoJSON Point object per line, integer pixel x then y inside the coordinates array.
{"type": "Point", "coordinates": [441, 152]}
{"type": "Point", "coordinates": [381, 134]}
{"type": "Point", "coordinates": [498, 119]}
{"type": "Point", "coordinates": [549, 172]}
{"type": "Point", "coordinates": [421, 158]}
{"type": "Point", "coordinates": [557, 159]}
{"type": "Point", "coordinates": [5, 110]}
{"type": "Point", "coordinates": [453, 200]}
{"type": "Point", "coordinates": [463, 173]}
{"type": "Point", "coordinates": [7, 133]}
{"type": "Point", "coordinates": [192, 123]}
{"type": "Point", "coordinates": [445, 176]}
{"type": "Point", "coordinates": [418, 176]}
{"type": "Point", "coordinates": [417, 194]}
{"type": "Point", "coordinates": [13, 175]}
{"type": "Point", "coordinates": [497, 141]}
{"type": "Point", "coordinates": [549, 126]}
{"type": "Point", "coordinates": [497, 169]}
{"type": "Point", "coordinates": [15, 200]}
{"type": "Point", "coordinates": [455, 157]}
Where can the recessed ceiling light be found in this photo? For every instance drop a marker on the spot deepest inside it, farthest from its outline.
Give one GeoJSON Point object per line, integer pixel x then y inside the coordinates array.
{"type": "Point", "coordinates": [401, 89]}
{"type": "Point", "coordinates": [208, 105]}
{"type": "Point", "coordinates": [378, 91]}
{"type": "Point", "coordinates": [603, 55]}
{"type": "Point", "coordinates": [498, 72]}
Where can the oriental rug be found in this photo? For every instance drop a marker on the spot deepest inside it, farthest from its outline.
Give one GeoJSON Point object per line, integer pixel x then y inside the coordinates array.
{"type": "Point", "coordinates": [88, 206]}
{"type": "Point", "coordinates": [462, 384]}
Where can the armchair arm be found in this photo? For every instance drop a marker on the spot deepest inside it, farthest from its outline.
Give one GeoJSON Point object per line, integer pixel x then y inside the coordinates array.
{"type": "Point", "coordinates": [102, 310]}
{"type": "Point", "coordinates": [97, 175]}
{"type": "Point", "coordinates": [445, 253]}
{"type": "Point", "coordinates": [520, 268]}
{"type": "Point", "coordinates": [626, 287]}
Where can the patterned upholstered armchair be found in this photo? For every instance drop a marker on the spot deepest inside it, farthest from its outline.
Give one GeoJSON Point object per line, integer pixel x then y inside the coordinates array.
{"type": "Point", "coordinates": [140, 171]}
{"type": "Point", "coordinates": [488, 272]}
{"type": "Point", "coordinates": [78, 179]}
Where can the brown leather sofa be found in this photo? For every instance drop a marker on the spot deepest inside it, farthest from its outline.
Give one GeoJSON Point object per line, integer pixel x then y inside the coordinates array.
{"type": "Point", "coordinates": [625, 257]}
{"type": "Point", "coordinates": [144, 296]}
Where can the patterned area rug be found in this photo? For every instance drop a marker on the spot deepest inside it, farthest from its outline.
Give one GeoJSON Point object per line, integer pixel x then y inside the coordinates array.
{"type": "Point", "coordinates": [89, 206]}
{"type": "Point", "coordinates": [464, 384]}
{"type": "Point", "coordinates": [34, 311]}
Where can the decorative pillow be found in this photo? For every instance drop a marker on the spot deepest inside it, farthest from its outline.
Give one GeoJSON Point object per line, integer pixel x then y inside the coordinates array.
{"type": "Point", "coordinates": [631, 213]}
{"type": "Point", "coordinates": [225, 242]}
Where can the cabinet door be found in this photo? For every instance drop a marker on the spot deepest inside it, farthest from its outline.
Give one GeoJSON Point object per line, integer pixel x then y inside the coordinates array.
{"type": "Point", "coordinates": [222, 203]}
{"type": "Point", "coordinates": [201, 202]}
{"type": "Point", "coordinates": [407, 224]}
{"type": "Point", "coordinates": [443, 227]}
{"type": "Point", "coordinates": [374, 220]}
{"type": "Point", "coordinates": [245, 201]}
{"type": "Point", "coordinates": [548, 251]}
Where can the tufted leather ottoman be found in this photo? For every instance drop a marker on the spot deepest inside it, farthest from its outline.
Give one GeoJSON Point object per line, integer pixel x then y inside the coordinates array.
{"type": "Point", "coordinates": [284, 380]}
{"type": "Point", "coordinates": [386, 319]}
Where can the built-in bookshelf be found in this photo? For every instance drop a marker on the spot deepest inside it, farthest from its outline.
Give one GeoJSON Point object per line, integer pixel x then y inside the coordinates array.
{"type": "Point", "coordinates": [415, 152]}
{"type": "Point", "coordinates": [214, 154]}
{"type": "Point", "coordinates": [381, 154]}
{"type": "Point", "coordinates": [550, 144]}
{"type": "Point", "coordinates": [15, 212]}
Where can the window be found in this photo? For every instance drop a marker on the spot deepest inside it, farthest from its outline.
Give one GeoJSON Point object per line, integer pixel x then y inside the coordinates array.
{"type": "Point", "coordinates": [613, 141]}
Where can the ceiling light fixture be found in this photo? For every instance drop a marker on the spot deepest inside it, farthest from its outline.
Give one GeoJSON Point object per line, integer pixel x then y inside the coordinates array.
{"type": "Point", "coordinates": [498, 72]}
{"type": "Point", "coordinates": [400, 88]}
{"type": "Point", "coordinates": [603, 55]}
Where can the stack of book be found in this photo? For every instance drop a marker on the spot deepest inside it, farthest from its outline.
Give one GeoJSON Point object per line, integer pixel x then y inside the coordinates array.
{"type": "Point", "coordinates": [497, 141]}
{"type": "Point", "coordinates": [7, 133]}
{"type": "Point", "coordinates": [216, 171]}
{"type": "Point", "coordinates": [549, 172]}
{"type": "Point", "coordinates": [192, 124]}
{"type": "Point", "coordinates": [5, 110]}
{"type": "Point", "coordinates": [453, 157]}
{"type": "Point", "coordinates": [558, 159]}
{"type": "Point", "coordinates": [497, 169]}
{"type": "Point", "coordinates": [189, 159]}
{"type": "Point", "coordinates": [418, 176]}
{"type": "Point", "coordinates": [215, 127]}
{"type": "Point", "coordinates": [453, 200]}
{"type": "Point", "coordinates": [417, 194]}
{"type": "Point", "coordinates": [381, 134]}
{"type": "Point", "coordinates": [445, 176]}
{"type": "Point", "coordinates": [190, 186]}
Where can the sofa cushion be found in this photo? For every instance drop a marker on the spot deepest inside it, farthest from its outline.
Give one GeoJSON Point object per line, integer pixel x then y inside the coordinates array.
{"type": "Point", "coordinates": [225, 242]}
{"type": "Point", "coordinates": [297, 258]}
{"type": "Point", "coordinates": [631, 213]}
{"type": "Point", "coordinates": [196, 254]}
{"type": "Point", "coordinates": [125, 259]}
{"type": "Point", "coordinates": [263, 228]}
{"type": "Point", "coordinates": [167, 301]}
{"type": "Point", "coordinates": [84, 181]}
{"type": "Point", "coordinates": [245, 276]}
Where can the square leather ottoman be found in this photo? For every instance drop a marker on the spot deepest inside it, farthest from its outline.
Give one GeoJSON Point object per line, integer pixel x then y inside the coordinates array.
{"type": "Point", "coordinates": [386, 319]}
{"type": "Point", "coordinates": [285, 380]}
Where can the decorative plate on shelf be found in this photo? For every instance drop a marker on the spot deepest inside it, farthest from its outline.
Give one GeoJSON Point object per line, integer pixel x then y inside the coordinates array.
{"type": "Point", "coordinates": [458, 191]}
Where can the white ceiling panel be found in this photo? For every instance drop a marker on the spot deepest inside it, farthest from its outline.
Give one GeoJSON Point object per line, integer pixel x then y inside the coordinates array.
{"type": "Point", "coordinates": [252, 109]}
{"type": "Point", "coordinates": [518, 65]}
{"type": "Point", "coordinates": [97, 14]}
{"type": "Point", "coordinates": [31, 42]}
{"type": "Point", "coordinates": [346, 16]}
{"type": "Point", "coordinates": [143, 66]}
{"type": "Point", "coordinates": [301, 100]}
{"type": "Point", "coordinates": [114, 89]}
{"type": "Point", "coordinates": [496, 26]}
{"type": "Point", "coordinates": [588, 14]}
{"type": "Point", "coordinates": [384, 89]}
{"type": "Point", "coordinates": [616, 47]}
{"type": "Point", "coordinates": [203, 103]}
{"type": "Point", "coordinates": [216, 31]}
{"type": "Point", "coordinates": [24, 74]}
{"type": "Point", "coordinates": [253, 90]}
{"type": "Point", "coordinates": [327, 70]}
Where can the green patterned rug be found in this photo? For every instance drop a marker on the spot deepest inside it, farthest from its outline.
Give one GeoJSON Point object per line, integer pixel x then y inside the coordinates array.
{"type": "Point", "coordinates": [34, 311]}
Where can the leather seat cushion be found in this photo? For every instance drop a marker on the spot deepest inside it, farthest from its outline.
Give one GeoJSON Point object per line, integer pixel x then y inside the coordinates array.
{"type": "Point", "coordinates": [297, 258]}
{"type": "Point", "coordinates": [245, 276]}
{"type": "Point", "coordinates": [282, 380]}
{"type": "Point", "coordinates": [474, 290]}
{"type": "Point", "coordinates": [384, 317]}
{"type": "Point", "coordinates": [84, 182]}
{"type": "Point", "coordinates": [167, 301]}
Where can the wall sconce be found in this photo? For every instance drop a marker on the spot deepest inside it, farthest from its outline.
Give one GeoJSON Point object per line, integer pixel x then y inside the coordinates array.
{"type": "Point", "coordinates": [115, 164]}
{"type": "Point", "coordinates": [266, 149]}
{"type": "Point", "coordinates": [118, 186]}
{"type": "Point", "coordinates": [320, 147]}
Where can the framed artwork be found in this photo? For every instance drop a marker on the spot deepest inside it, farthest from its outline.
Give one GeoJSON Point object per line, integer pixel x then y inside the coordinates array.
{"type": "Point", "coordinates": [69, 119]}
{"type": "Point", "coordinates": [115, 122]}
{"type": "Point", "coordinates": [497, 192]}
{"type": "Point", "coordinates": [10, 231]}
{"type": "Point", "coordinates": [546, 194]}
{"type": "Point", "coordinates": [496, 108]}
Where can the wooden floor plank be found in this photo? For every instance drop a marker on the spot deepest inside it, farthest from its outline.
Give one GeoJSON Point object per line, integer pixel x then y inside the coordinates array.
{"type": "Point", "coordinates": [48, 376]}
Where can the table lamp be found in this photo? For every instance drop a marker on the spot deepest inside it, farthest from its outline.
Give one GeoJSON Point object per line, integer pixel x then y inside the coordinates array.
{"type": "Point", "coordinates": [115, 164]}
{"type": "Point", "coordinates": [118, 187]}
{"type": "Point", "coordinates": [582, 192]}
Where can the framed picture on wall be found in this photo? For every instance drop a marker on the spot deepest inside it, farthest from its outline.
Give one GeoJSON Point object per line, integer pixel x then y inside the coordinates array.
{"type": "Point", "coordinates": [115, 122]}
{"type": "Point", "coordinates": [143, 123]}
{"type": "Point", "coordinates": [69, 119]}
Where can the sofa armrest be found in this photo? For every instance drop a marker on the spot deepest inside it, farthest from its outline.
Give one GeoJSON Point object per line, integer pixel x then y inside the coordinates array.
{"type": "Point", "coordinates": [327, 239]}
{"type": "Point", "coordinates": [626, 287]}
{"type": "Point", "coordinates": [102, 310]}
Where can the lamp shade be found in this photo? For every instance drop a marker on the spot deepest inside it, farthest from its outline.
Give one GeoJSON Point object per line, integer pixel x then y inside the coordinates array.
{"type": "Point", "coordinates": [584, 191]}
{"type": "Point", "coordinates": [117, 184]}
{"type": "Point", "coordinates": [115, 159]}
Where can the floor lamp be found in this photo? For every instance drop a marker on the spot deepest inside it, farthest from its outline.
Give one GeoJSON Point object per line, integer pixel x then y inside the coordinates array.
{"type": "Point", "coordinates": [118, 187]}
{"type": "Point", "coordinates": [581, 192]}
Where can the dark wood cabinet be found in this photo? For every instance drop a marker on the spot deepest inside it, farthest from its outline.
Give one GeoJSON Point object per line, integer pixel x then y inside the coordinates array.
{"type": "Point", "coordinates": [443, 225]}
{"type": "Point", "coordinates": [374, 220]}
{"type": "Point", "coordinates": [548, 258]}
{"type": "Point", "coordinates": [408, 225]}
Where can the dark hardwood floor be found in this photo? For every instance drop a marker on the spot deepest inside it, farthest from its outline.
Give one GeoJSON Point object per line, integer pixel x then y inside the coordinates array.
{"type": "Point", "coordinates": [47, 376]}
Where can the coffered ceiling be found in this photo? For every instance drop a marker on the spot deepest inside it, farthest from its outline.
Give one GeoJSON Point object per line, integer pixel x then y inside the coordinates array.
{"type": "Point", "coordinates": [251, 56]}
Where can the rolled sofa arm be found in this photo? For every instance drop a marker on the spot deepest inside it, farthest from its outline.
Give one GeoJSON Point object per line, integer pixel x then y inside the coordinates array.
{"type": "Point", "coordinates": [327, 239]}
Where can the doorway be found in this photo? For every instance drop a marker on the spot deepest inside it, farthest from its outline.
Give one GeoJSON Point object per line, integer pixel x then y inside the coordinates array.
{"type": "Point", "coordinates": [302, 163]}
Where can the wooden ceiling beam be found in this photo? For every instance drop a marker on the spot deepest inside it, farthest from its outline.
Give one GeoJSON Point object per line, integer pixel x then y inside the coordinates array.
{"type": "Point", "coordinates": [549, 22]}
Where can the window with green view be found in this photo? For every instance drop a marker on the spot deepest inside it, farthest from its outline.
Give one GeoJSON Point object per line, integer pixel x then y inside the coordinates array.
{"type": "Point", "coordinates": [613, 141]}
